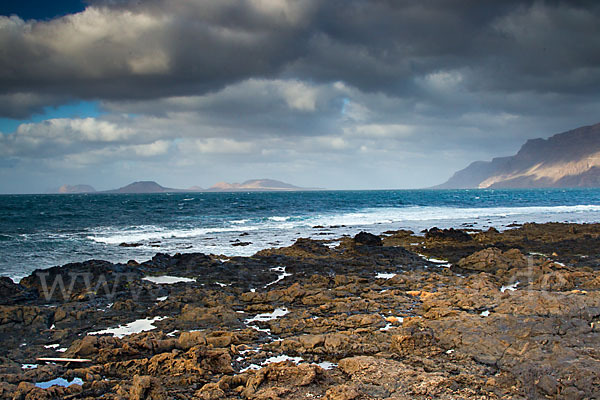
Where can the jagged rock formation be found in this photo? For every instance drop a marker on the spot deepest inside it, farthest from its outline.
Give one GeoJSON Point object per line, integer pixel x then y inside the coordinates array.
{"type": "Point", "coordinates": [569, 159]}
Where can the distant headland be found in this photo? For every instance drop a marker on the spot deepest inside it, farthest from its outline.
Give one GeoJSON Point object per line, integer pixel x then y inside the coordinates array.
{"type": "Point", "coordinates": [568, 159]}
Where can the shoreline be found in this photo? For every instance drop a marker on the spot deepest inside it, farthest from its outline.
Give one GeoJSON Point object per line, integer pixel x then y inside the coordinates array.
{"type": "Point", "coordinates": [119, 245]}
{"type": "Point", "coordinates": [447, 314]}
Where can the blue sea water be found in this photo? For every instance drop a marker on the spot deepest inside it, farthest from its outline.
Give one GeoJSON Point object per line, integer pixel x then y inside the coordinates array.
{"type": "Point", "coordinates": [40, 231]}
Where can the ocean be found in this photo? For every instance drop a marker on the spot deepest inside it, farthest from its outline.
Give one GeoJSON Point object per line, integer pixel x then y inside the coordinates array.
{"type": "Point", "coordinates": [41, 231]}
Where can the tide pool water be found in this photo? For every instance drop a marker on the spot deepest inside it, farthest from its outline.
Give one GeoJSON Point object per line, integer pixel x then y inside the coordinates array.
{"type": "Point", "coordinates": [41, 231]}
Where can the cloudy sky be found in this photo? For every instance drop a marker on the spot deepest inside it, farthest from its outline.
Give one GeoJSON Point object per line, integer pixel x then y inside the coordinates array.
{"type": "Point", "coordinates": [342, 94]}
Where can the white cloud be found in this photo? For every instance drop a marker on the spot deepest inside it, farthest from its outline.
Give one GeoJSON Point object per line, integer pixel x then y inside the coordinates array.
{"type": "Point", "coordinates": [61, 136]}
{"type": "Point", "coordinates": [299, 96]}
{"type": "Point", "coordinates": [380, 130]}
{"type": "Point", "coordinates": [152, 149]}
{"type": "Point", "coordinates": [444, 80]}
{"type": "Point", "coordinates": [214, 146]}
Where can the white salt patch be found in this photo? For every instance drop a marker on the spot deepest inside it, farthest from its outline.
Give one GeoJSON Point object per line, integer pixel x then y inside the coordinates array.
{"type": "Point", "coordinates": [280, 277]}
{"type": "Point", "coordinates": [436, 260]}
{"type": "Point", "coordinates": [252, 290]}
{"type": "Point", "coordinates": [62, 349]}
{"type": "Point", "coordinates": [109, 305]}
{"type": "Point", "coordinates": [442, 263]}
{"type": "Point", "coordinates": [29, 366]}
{"type": "Point", "coordinates": [512, 287]}
{"type": "Point", "coordinates": [485, 313]}
{"type": "Point", "coordinates": [383, 291]}
{"type": "Point", "coordinates": [389, 325]}
{"type": "Point", "coordinates": [221, 284]}
{"type": "Point", "coordinates": [59, 382]}
{"type": "Point", "coordinates": [383, 275]}
{"type": "Point", "coordinates": [167, 280]}
{"type": "Point", "coordinates": [450, 351]}
{"type": "Point", "coordinates": [432, 259]}
{"type": "Point", "coordinates": [332, 245]}
{"type": "Point", "coordinates": [163, 298]}
{"type": "Point", "coordinates": [281, 358]}
{"type": "Point", "coordinates": [242, 352]}
{"type": "Point", "coordinates": [53, 326]}
{"type": "Point", "coordinates": [327, 365]}
{"type": "Point", "coordinates": [279, 312]}
{"type": "Point", "coordinates": [140, 325]}
{"type": "Point", "coordinates": [265, 330]}
{"type": "Point", "coordinates": [172, 334]}
{"type": "Point", "coordinates": [249, 367]}
{"type": "Point", "coordinates": [52, 346]}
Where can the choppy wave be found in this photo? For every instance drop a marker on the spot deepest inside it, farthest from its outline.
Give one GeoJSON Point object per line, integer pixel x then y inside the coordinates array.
{"type": "Point", "coordinates": [151, 233]}
{"type": "Point", "coordinates": [426, 213]}
{"type": "Point", "coordinates": [404, 217]}
{"type": "Point", "coordinates": [242, 224]}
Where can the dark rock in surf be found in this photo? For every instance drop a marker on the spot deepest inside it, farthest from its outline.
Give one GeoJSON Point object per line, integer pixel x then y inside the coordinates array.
{"type": "Point", "coordinates": [367, 239]}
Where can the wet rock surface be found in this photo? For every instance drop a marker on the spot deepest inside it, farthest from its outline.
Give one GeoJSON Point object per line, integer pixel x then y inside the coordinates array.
{"type": "Point", "coordinates": [446, 314]}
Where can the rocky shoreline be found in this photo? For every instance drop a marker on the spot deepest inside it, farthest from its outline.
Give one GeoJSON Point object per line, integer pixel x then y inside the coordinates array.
{"type": "Point", "coordinates": [448, 314]}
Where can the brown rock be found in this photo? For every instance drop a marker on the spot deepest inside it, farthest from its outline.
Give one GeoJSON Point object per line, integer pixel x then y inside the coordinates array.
{"type": "Point", "coordinates": [342, 392]}
{"type": "Point", "coordinates": [281, 378]}
{"type": "Point", "coordinates": [548, 385]}
{"type": "Point", "coordinates": [146, 388]}
{"type": "Point", "coordinates": [86, 346]}
{"type": "Point", "coordinates": [187, 340]}
{"type": "Point", "coordinates": [493, 259]}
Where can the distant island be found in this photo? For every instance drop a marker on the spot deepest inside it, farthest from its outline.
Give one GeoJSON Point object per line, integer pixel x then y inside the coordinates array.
{"type": "Point", "coordinates": [256, 185]}
{"type": "Point", "coordinates": [75, 189]}
{"type": "Point", "coordinates": [568, 159]}
{"type": "Point", "coordinates": [144, 187]}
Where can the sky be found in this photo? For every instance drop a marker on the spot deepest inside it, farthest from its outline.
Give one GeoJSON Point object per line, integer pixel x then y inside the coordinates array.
{"type": "Point", "coordinates": [340, 94]}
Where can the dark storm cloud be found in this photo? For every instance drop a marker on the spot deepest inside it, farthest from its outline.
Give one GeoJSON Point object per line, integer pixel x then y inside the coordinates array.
{"type": "Point", "coordinates": [151, 49]}
{"type": "Point", "coordinates": [147, 50]}
{"type": "Point", "coordinates": [333, 93]}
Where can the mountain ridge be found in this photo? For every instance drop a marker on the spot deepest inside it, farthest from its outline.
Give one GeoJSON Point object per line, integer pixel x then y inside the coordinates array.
{"type": "Point", "coordinates": [567, 159]}
{"type": "Point", "coordinates": [153, 187]}
{"type": "Point", "coordinates": [144, 187]}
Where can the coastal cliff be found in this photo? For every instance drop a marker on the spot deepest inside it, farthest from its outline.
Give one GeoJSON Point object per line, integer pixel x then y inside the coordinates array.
{"type": "Point", "coordinates": [569, 159]}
